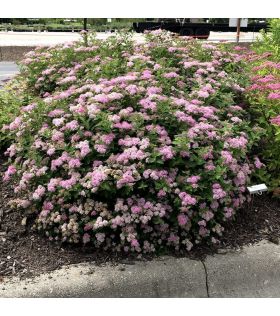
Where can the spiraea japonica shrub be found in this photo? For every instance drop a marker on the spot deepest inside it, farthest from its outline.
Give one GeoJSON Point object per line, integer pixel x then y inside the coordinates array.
{"type": "Point", "coordinates": [134, 147]}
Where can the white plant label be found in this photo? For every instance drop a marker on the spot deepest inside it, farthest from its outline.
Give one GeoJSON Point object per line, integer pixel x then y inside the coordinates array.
{"type": "Point", "coordinates": [258, 188]}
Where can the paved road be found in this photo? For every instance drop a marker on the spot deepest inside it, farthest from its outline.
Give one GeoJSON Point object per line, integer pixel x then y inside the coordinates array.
{"type": "Point", "coordinates": [51, 38]}
{"type": "Point", "coordinates": [7, 70]}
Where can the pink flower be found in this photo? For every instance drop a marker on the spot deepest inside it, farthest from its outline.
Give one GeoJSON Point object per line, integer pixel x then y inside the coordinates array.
{"type": "Point", "coordinates": [50, 151]}
{"type": "Point", "coordinates": [202, 231]}
{"type": "Point", "coordinates": [228, 212]}
{"type": "Point", "coordinates": [239, 48]}
{"type": "Point", "coordinates": [123, 125]}
{"type": "Point", "coordinates": [218, 192]}
{"type": "Point", "coordinates": [97, 177]}
{"type": "Point", "coordinates": [274, 96]}
{"type": "Point", "coordinates": [29, 107]}
{"type": "Point", "coordinates": [100, 237]}
{"type": "Point", "coordinates": [56, 112]}
{"type": "Point", "coordinates": [48, 206]}
{"type": "Point", "coordinates": [209, 166]}
{"type": "Point", "coordinates": [157, 67]}
{"type": "Point", "coordinates": [56, 163]}
{"type": "Point", "coordinates": [126, 179]}
{"type": "Point", "coordinates": [41, 171]}
{"type": "Point", "coordinates": [258, 163]}
{"type": "Point", "coordinates": [187, 199]}
{"type": "Point", "coordinates": [207, 215]}
{"type": "Point", "coordinates": [173, 238]}
{"type": "Point", "coordinates": [132, 89]}
{"type": "Point", "coordinates": [88, 227]}
{"type": "Point", "coordinates": [86, 238]}
{"type": "Point", "coordinates": [38, 193]}
{"type": "Point", "coordinates": [68, 184]}
{"type": "Point", "coordinates": [58, 121]}
{"type": "Point", "coordinates": [73, 125]}
{"type": "Point", "coordinates": [203, 94]}
{"type": "Point", "coordinates": [134, 243]}
{"type": "Point", "coordinates": [275, 120]}
{"type": "Point", "coordinates": [227, 156]}
{"type": "Point", "coordinates": [57, 136]}
{"type": "Point", "coordinates": [182, 219]}
{"type": "Point", "coordinates": [102, 98]}
{"type": "Point", "coordinates": [170, 75]}
{"type": "Point", "coordinates": [147, 74]}
{"type": "Point", "coordinates": [67, 80]}
{"type": "Point", "coordinates": [274, 86]}
{"type": "Point", "coordinates": [115, 96]}
{"type": "Point", "coordinates": [135, 209]}
{"type": "Point", "coordinates": [153, 90]}
{"type": "Point", "coordinates": [161, 193]}
{"type": "Point", "coordinates": [108, 138]}
{"type": "Point", "coordinates": [193, 181]}
{"type": "Point", "coordinates": [190, 64]}
{"type": "Point", "coordinates": [53, 183]}
{"type": "Point", "coordinates": [148, 104]}
{"type": "Point", "coordinates": [100, 148]}
{"type": "Point", "coordinates": [237, 142]}
{"type": "Point", "coordinates": [74, 163]}
{"type": "Point", "coordinates": [201, 71]}
{"type": "Point", "coordinates": [202, 223]}
{"type": "Point", "coordinates": [10, 171]}
{"type": "Point", "coordinates": [15, 124]}
{"type": "Point", "coordinates": [84, 148]}
{"type": "Point", "coordinates": [167, 152]}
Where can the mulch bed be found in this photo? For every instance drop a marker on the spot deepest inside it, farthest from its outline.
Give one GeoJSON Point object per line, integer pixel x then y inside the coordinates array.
{"type": "Point", "coordinates": [24, 253]}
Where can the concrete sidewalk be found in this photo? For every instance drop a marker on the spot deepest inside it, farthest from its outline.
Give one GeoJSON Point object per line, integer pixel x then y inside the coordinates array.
{"type": "Point", "coordinates": [252, 272]}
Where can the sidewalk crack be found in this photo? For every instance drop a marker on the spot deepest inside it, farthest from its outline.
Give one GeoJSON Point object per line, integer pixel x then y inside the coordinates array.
{"type": "Point", "coordinates": [206, 278]}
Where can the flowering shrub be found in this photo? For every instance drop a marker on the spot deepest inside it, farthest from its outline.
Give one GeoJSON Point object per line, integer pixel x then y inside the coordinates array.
{"type": "Point", "coordinates": [12, 97]}
{"type": "Point", "coordinates": [133, 147]}
{"type": "Point", "coordinates": [270, 41]}
{"type": "Point", "coordinates": [264, 98]}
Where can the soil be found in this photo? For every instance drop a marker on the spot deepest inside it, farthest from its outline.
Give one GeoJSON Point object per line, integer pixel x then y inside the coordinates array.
{"type": "Point", "coordinates": [24, 253]}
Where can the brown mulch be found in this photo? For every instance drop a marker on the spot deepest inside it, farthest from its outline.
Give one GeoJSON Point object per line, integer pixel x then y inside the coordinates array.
{"type": "Point", "coordinates": [24, 253]}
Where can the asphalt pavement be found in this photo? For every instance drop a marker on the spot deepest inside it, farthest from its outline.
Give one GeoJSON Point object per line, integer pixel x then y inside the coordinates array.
{"type": "Point", "coordinates": [7, 71]}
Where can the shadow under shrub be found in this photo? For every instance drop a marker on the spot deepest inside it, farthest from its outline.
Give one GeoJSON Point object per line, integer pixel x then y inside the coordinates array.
{"type": "Point", "coordinates": [133, 147]}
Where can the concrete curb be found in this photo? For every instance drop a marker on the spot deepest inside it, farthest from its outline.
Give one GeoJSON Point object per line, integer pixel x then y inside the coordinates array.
{"type": "Point", "coordinates": [252, 272]}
